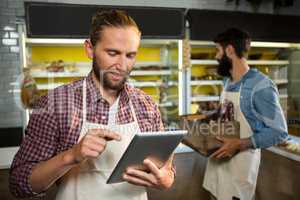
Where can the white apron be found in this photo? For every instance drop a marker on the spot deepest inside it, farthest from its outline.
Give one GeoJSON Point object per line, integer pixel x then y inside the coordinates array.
{"type": "Point", "coordinates": [236, 177]}
{"type": "Point", "coordinates": [88, 180]}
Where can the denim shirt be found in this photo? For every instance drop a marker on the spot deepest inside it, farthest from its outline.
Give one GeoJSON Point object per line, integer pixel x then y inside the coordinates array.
{"type": "Point", "coordinates": [259, 101]}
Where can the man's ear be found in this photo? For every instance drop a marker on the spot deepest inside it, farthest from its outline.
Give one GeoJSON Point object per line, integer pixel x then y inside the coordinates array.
{"type": "Point", "coordinates": [89, 49]}
{"type": "Point", "coordinates": [230, 51]}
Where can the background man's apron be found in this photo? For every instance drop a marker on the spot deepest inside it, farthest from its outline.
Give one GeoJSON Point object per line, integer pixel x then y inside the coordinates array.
{"type": "Point", "coordinates": [236, 177]}
{"type": "Point", "coordinates": [88, 180]}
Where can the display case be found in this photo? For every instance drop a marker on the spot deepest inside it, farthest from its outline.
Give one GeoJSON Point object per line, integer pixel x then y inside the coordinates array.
{"type": "Point", "coordinates": [54, 62]}
{"type": "Point", "coordinates": [160, 71]}
{"type": "Point", "coordinates": [205, 85]}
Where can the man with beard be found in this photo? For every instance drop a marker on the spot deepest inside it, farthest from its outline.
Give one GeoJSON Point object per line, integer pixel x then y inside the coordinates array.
{"type": "Point", "coordinates": [79, 131]}
{"type": "Point", "coordinates": [232, 170]}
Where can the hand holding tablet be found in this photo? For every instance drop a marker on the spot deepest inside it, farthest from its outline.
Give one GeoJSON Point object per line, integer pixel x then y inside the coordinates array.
{"type": "Point", "coordinates": [159, 178]}
{"type": "Point", "coordinates": [156, 147]}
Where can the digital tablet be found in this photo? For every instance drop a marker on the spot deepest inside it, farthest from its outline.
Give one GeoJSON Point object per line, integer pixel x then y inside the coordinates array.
{"type": "Point", "coordinates": [156, 146]}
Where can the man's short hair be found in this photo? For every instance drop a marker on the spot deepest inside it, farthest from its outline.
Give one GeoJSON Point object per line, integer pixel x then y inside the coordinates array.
{"type": "Point", "coordinates": [239, 39]}
{"type": "Point", "coordinates": [109, 18]}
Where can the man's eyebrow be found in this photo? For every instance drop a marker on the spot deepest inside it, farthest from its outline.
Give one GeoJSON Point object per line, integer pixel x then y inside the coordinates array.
{"type": "Point", "coordinates": [118, 51]}
{"type": "Point", "coordinates": [111, 49]}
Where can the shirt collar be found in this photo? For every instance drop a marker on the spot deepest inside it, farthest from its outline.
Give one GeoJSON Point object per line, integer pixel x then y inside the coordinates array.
{"type": "Point", "coordinates": [95, 94]}
{"type": "Point", "coordinates": [126, 93]}
{"type": "Point", "coordinates": [249, 74]}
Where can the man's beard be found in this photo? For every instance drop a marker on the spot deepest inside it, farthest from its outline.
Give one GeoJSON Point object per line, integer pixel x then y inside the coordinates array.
{"type": "Point", "coordinates": [102, 77]}
{"type": "Point", "coordinates": [225, 66]}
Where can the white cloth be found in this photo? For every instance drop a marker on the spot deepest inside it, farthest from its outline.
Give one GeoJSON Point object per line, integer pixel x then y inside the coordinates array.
{"type": "Point", "coordinates": [113, 110]}
{"type": "Point", "coordinates": [236, 177]}
{"type": "Point", "coordinates": [88, 180]}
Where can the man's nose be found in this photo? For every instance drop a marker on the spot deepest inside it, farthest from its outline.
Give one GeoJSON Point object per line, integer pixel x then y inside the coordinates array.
{"type": "Point", "coordinates": [122, 63]}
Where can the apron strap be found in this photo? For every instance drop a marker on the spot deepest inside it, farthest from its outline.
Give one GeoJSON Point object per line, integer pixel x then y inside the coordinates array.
{"type": "Point", "coordinates": [84, 102]}
{"type": "Point", "coordinates": [222, 99]}
{"type": "Point", "coordinates": [133, 112]}
{"type": "Point", "coordinates": [224, 90]}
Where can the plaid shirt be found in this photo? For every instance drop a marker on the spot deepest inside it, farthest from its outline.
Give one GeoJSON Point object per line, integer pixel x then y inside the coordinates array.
{"type": "Point", "coordinates": [55, 125]}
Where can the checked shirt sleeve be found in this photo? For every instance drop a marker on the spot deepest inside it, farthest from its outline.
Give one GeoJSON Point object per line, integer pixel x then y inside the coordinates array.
{"type": "Point", "coordinates": [39, 144]}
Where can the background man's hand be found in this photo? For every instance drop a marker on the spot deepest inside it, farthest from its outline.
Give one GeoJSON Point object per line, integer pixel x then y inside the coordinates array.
{"type": "Point", "coordinates": [162, 178]}
{"type": "Point", "coordinates": [230, 147]}
{"type": "Point", "coordinates": [92, 144]}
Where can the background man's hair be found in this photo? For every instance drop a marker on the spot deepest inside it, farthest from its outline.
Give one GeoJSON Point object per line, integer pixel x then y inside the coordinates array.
{"type": "Point", "coordinates": [109, 18]}
{"type": "Point", "coordinates": [239, 39]}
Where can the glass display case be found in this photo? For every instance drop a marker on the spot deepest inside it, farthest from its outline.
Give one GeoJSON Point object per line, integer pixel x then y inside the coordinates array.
{"type": "Point", "coordinates": [54, 62]}
{"type": "Point", "coordinates": [270, 58]}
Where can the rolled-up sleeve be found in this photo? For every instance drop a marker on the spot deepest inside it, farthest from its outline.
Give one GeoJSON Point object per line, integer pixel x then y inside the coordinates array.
{"type": "Point", "coordinates": [270, 128]}
{"type": "Point", "coordinates": [38, 145]}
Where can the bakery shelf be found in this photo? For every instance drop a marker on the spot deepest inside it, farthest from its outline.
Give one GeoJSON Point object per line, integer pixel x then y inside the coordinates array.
{"type": "Point", "coordinates": [207, 82]}
{"type": "Point", "coordinates": [204, 62]}
{"type": "Point", "coordinates": [48, 86]}
{"type": "Point", "coordinates": [268, 62]}
{"type": "Point", "coordinates": [203, 98]}
{"type": "Point", "coordinates": [83, 74]}
{"type": "Point", "coordinates": [149, 63]}
{"type": "Point", "coordinates": [283, 96]}
{"type": "Point", "coordinates": [150, 72]}
{"type": "Point", "coordinates": [145, 83]}
{"type": "Point", "coordinates": [250, 62]}
{"type": "Point", "coordinates": [44, 74]}
{"type": "Point", "coordinates": [281, 81]}
{"type": "Point", "coordinates": [167, 104]}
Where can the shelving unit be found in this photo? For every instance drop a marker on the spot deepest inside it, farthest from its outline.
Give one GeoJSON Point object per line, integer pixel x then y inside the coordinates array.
{"type": "Point", "coordinates": [207, 82]}
{"type": "Point", "coordinates": [266, 56]}
{"type": "Point", "coordinates": [139, 84]}
{"type": "Point", "coordinates": [204, 98]}
{"type": "Point", "coordinates": [159, 64]}
{"type": "Point", "coordinates": [155, 72]}
{"type": "Point", "coordinates": [83, 74]}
